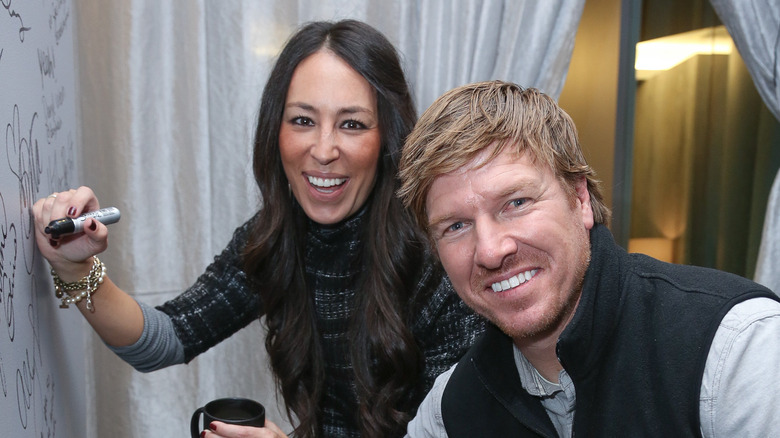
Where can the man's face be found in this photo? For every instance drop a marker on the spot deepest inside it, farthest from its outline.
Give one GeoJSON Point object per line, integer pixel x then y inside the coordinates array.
{"type": "Point", "coordinates": [513, 242]}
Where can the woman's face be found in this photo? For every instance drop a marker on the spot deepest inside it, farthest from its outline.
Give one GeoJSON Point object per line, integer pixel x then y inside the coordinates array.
{"type": "Point", "coordinates": [329, 139]}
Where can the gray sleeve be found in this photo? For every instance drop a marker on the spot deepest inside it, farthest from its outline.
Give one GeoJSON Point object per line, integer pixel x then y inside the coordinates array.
{"type": "Point", "coordinates": [739, 392]}
{"type": "Point", "coordinates": [428, 423]}
{"type": "Point", "coordinates": [222, 301]}
{"type": "Point", "coordinates": [158, 346]}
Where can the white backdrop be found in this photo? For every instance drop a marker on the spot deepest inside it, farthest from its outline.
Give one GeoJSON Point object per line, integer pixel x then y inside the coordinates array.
{"type": "Point", "coordinates": [169, 94]}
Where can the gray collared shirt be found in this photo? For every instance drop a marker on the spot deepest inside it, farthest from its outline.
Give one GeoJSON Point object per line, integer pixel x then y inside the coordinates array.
{"type": "Point", "coordinates": [739, 395]}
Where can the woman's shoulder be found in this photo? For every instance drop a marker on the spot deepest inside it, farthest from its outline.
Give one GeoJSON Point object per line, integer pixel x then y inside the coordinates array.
{"type": "Point", "coordinates": [435, 300]}
{"type": "Point", "coordinates": [443, 325]}
{"type": "Point", "coordinates": [242, 233]}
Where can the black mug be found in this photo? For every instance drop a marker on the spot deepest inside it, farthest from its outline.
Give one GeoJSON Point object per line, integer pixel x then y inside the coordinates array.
{"type": "Point", "coordinates": [241, 411]}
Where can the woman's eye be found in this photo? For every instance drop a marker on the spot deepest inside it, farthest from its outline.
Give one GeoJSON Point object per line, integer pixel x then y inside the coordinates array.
{"type": "Point", "coordinates": [353, 124]}
{"type": "Point", "coordinates": [302, 121]}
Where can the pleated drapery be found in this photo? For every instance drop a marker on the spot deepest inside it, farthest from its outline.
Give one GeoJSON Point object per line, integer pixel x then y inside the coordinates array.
{"type": "Point", "coordinates": [168, 99]}
{"type": "Point", "coordinates": [755, 27]}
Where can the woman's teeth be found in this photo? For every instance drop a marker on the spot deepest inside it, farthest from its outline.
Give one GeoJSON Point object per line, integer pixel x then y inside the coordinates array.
{"type": "Point", "coordinates": [326, 182]}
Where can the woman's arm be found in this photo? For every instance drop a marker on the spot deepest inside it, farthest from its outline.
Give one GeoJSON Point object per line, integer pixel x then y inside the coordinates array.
{"type": "Point", "coordinates": [115, 315]}
{"type": "Point", "coordinates": [445, 327]}
{"type": "Point", "coordinates": [219, 303]}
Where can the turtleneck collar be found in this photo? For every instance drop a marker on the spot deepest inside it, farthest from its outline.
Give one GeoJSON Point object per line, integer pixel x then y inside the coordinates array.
{"type": "Point", "coordinates": [346, 230]}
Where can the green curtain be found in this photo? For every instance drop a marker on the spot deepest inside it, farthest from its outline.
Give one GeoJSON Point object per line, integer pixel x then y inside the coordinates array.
{"type": "Point", "coordinates": [706, 150]}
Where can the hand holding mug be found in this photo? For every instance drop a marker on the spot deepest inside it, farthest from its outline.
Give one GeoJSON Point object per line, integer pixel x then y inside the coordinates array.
{"type": "Point", "coordinates": [234, 411]}
{"type": "Point", "coordinates": [225, 430]}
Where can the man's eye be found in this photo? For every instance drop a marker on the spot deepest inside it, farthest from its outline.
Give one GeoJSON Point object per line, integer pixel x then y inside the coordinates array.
{"type": "Point", "coordinates": [454, 227]}
{"type": "Point", "coordinates": [518, 202]}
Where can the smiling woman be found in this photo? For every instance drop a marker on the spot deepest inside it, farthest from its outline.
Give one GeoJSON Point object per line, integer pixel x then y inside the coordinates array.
{"type": "Point", "coordinates": [329, 139]}
{"type": "Point", "coordinates": [360, 317]}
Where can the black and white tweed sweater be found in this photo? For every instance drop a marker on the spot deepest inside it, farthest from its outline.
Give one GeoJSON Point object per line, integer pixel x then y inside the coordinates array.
{"type": "Point", "coordinates": [221, 303]}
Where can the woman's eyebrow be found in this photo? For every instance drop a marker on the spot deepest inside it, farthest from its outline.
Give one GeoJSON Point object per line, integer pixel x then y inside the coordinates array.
{"type": "Point", "coordinates": [301, 105]}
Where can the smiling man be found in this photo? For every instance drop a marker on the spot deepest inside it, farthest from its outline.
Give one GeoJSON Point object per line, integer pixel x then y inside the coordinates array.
{"type": "Point", "coordinates": [586, 340]}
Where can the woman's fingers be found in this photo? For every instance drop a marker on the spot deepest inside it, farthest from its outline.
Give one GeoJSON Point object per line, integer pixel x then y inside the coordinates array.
{"type": "Point", "coordinates": [219, 429]}
{"type": "Point", "coordinates": [63, 250]}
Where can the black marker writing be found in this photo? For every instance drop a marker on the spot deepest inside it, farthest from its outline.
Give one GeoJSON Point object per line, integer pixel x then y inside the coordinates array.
{"type": "Point", "coordinates": [8, 255]}
{"type": "Point", "coordinates": [13, 14]}
{"type": "Point", "coordinates": [58, 20]}
{"type": "Point", "coordinates": [24, 162]}
{"type": "Point", "coordinates": [3, 384]}
{"type": "Point", "coordinates": [40, 148]}
{"type": "Point", "coordinates": [46, 63]}
{"type": "Point", "coordinates": [50, 110]}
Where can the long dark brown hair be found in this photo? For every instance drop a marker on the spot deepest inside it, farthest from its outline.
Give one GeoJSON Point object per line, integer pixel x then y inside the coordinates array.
{"type": "Point", "coordinates": [385, 357]}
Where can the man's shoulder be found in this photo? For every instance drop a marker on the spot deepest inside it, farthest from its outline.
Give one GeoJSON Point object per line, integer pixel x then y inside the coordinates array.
{"type": "Point", "coordinates": [485, 397]}
{"type": "Point", "coordinates": [694, 279]}
{"type": "Point", "coordinates": [489, 362]}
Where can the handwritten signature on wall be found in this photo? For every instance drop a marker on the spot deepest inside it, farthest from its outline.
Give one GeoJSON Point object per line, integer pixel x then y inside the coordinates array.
{"type": "Point", "coordinates": [39, 157]}
{"type": "Point", "coordinates": [8, 6]}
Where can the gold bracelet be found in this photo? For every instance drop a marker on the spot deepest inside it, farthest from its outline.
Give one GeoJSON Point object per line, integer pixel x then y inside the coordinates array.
{"type": "Point", "coordinates": [87, 286]}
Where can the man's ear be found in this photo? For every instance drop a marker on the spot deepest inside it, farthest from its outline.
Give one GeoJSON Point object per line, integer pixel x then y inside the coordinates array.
{"type": "Point", "coordinates": [584, 205]}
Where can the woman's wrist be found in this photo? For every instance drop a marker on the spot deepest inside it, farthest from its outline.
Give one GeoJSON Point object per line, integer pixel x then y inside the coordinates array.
{"type": "Point", "coordinates": [83, 289]}
{"type": "Point", "coordinates": [72, 271]}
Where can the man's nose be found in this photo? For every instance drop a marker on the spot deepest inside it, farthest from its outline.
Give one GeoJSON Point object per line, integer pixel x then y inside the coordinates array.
{"type": "Point", "coordinates": [493, 244]}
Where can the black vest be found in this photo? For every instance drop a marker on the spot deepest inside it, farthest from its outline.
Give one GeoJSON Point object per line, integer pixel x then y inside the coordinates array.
{"type": "Point", "coordinates": [635, 349]}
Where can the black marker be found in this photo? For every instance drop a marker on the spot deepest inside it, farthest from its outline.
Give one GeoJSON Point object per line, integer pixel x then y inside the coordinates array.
{"type": "Point", "coordinates": [66, 225]}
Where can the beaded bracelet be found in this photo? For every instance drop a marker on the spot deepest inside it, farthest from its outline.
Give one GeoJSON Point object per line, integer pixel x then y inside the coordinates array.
{"type": "Point", "coordinates": [87, 286]}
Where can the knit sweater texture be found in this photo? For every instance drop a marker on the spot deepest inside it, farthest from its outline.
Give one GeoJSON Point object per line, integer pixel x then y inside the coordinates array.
{"type": "Point", "coordinates": [222, 302]}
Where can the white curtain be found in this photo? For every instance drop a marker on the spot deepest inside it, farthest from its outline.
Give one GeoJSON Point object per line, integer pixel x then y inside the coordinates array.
{"type": "Point", "coordinates": [755, 27]}
{"type": "Point", "coordinates": [168, 99]}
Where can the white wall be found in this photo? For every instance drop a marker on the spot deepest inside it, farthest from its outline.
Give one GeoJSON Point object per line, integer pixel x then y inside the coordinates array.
{"type": "Point", "coordinates": [42, 347]}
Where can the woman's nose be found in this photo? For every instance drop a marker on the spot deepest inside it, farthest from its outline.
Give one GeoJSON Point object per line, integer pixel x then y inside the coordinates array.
{"type": "Point", "coordinates": [325, 149]}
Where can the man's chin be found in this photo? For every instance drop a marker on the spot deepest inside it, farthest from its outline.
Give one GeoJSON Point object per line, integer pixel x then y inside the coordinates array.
{"type": "Point", "coordinates": [528, 326]}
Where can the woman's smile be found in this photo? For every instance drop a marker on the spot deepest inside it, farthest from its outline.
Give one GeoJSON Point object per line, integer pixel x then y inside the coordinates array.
{"type": "Point", "coordinates": [330, 138]}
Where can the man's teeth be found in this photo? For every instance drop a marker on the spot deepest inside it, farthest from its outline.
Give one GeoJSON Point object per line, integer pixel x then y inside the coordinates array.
{"type": "Point", "coordinates": [326, 182]}
{"type": "Point", "coordinates": [515, 281]}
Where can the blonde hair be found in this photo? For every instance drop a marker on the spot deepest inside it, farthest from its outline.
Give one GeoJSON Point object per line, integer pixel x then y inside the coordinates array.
{"type": "Point", "coordinates": [468, 119]}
